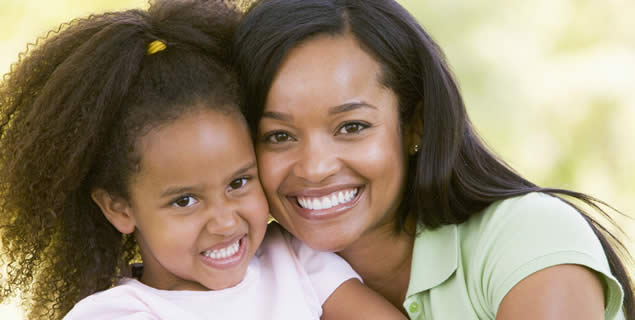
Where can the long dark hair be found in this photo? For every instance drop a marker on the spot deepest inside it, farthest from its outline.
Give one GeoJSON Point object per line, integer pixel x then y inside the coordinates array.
{"type": "Point", "coordinates": [71, 111]}
{"type": "Point", "coordinates": [455, 176]}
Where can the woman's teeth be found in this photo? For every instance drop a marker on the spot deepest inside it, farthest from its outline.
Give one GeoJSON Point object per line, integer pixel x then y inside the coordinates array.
{"type": "Point", "coordinates": [329, 201]}
{"type": "Point", "coordinates": [224, 252]}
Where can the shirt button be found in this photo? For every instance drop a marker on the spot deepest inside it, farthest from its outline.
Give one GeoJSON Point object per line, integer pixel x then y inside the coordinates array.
{"type": "Point", "coordinates": [414, 307]}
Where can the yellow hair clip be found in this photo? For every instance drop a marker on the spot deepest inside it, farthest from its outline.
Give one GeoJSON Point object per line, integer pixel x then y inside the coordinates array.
{"type": "Point", "coordinates": [155, 46]}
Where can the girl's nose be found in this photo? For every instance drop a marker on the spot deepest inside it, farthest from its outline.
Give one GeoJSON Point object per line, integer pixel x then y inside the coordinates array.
{"type": "Point", "coordinates": [224, 221]}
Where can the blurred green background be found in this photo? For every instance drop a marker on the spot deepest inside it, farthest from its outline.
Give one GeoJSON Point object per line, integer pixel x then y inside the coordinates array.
{"type": "Point", "coordinates": [550, 85]}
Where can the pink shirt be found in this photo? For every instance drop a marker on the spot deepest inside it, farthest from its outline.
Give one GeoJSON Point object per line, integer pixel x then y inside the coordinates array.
{"type": "Point", "coordinates": [285, 280]}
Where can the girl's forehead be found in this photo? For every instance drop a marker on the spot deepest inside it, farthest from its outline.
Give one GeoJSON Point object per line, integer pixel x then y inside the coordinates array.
{"type": "Point", "coordinates": [211, 135]}
{"type": "Point", "coordinates": [198, 149]}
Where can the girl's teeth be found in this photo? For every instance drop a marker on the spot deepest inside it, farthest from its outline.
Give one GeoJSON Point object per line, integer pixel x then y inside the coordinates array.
{"type": "Point", "coordinates": [329, 201]}
{"type": "Point", "coordinates": [224, 252]}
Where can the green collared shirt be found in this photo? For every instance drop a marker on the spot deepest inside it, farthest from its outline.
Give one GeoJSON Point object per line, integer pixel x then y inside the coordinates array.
{"type": "Point", "coordinates": [464, 271]}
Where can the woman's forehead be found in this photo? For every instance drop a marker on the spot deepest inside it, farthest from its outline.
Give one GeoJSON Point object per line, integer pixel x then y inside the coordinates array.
{"type": "Point", "coordinates": [323, 68]}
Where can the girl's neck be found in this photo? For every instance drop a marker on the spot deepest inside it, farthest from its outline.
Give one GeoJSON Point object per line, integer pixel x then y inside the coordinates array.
{"type": "Point", "coordinates": [382, 258]}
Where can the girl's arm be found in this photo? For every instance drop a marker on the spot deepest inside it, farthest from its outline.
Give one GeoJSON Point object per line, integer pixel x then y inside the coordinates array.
{"type": "Point", "coordinates": [354, 300]}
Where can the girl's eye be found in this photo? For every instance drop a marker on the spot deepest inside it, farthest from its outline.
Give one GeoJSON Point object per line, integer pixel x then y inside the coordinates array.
{"type": "Point", "coordinates": [352, 128]}
{"type": "Point", "coordinates": [238, 183]}
{"type": "Point", "coordinates": [278, 137]}
{"type": "Point", "coordinates": [185, 201]}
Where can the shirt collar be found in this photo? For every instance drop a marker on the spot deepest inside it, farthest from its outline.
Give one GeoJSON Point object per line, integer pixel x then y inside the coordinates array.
{"type": "Point", "coordinates": [434, 258]}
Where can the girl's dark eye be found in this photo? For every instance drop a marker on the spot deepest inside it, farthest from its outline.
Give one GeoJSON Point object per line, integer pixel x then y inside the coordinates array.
{"type": "Point", "coordinates": [278, 137]}
{"type": "Point", "coordinates": [185, 201]}
{"type": "Point", "coordinates": [238, 183]}
{"type": "Point", "coordinates": [352, 128]}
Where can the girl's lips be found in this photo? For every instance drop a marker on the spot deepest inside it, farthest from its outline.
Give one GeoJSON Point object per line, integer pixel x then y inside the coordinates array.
{"type": "Point", "coordinates": [224, 244]}
{"type": "Point", "coordinates": [324, 214]}
{"type": "Point", "coordinates": [226, 262]}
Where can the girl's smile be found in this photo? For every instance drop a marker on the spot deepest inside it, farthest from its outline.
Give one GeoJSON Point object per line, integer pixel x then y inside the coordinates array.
{"type": "Point", "coordinates": [224, 255]}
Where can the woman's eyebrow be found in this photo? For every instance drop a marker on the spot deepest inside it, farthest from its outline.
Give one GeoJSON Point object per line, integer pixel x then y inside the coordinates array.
{"type": "Point", "coordinates": [281, 116]}
{"type": "Point", "coordinates": [350, 107]}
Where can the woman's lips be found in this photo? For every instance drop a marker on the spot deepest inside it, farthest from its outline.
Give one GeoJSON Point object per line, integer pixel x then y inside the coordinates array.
{"type": "Point", "coordinates": [326, 205]}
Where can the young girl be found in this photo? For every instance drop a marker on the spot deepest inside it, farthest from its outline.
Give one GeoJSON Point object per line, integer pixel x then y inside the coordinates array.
{"type": "Point", "coordinates": [121, 132]}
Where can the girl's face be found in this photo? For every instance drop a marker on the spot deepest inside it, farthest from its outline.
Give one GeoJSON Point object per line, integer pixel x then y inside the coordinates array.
{"type": "Point", "coordinates": [329, 145]}
{"type": "Point", "coordinates": [198, 209]}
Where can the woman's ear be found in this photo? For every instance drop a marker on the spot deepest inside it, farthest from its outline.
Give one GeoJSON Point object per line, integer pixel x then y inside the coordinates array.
{"type": "Point", "coordinates": [115, 209]}
{"type": "Point", "coordinates": [412, 133]}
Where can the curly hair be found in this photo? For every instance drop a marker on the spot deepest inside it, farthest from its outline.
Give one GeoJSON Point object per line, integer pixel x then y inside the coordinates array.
{"type": "Point", "coordinates": [71, 110]}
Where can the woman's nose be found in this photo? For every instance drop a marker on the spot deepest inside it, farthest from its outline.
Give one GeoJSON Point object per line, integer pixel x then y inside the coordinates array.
{"type": "Point", "coordinates": [317, 160]}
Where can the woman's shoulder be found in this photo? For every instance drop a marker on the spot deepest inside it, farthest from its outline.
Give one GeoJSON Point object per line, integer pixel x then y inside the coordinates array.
{"type": "Point", "coordinates": [513, 238]}
{"type": "Point", "coordinates": [535, 213]}
{"type": "Point", "coordinates": [534, 202]}
{"type": "Point", "coordinates": [532, 224]}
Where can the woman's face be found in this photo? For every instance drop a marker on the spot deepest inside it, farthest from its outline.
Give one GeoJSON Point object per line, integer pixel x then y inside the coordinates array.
{"type": "Point", "coordinates": [329, 145]}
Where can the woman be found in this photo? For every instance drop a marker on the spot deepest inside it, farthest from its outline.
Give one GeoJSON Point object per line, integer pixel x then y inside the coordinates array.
{"type": "Point", "coordinates": [365, 149]}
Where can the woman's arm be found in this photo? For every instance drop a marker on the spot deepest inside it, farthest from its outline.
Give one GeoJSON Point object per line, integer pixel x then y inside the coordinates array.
{"type": "Point", "coordinates": [559, 292]}
{"type": "Point", "coordinates": [354, 300]}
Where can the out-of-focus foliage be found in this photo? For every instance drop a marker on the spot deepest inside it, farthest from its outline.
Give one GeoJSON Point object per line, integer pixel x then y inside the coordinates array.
{"type": "Point", "coordinates": [550, 85]}
{"type": "Point", "coordinates": [23, 21]}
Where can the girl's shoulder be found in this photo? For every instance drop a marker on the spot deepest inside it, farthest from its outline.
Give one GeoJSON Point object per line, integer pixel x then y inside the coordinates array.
{"type": "Point", "coordinates": [125, 298]}
{"type": "Point", "coordinates": [131, 299]}
{"type": "Point", "coordinates": [281, 246]}
{"type": "Point", "coordinates": [299, 272]}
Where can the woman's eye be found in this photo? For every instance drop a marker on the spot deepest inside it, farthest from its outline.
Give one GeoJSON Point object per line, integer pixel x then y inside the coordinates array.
{"type": "Point", "coordinates": [352, 128]}
{"type": "Point", "coordinates": [278, 137]}
{"type": "Point", "coordinates": [185, 201]}
{"type": "Point", "coordinates": [238, 183]}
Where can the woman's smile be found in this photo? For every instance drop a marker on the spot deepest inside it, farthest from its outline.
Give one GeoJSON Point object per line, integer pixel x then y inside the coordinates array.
{"type": "Point", "coordinates": [326, 203]}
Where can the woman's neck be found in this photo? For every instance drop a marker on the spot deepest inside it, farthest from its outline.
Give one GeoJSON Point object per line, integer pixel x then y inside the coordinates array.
{"type": "Point", "coordinates": [382, 258]}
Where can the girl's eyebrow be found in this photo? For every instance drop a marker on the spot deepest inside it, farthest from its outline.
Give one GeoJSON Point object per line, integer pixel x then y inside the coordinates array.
{"type": "Point", "coordinates": [176, 190]}
{"type": "Point", "coordinates": [250, 165]}
{"type": "Point", "coordinates": [282, 116]}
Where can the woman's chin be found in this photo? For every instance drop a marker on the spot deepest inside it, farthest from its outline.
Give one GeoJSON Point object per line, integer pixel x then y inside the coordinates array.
{"type": "Point", "coordinates": [328, 241]}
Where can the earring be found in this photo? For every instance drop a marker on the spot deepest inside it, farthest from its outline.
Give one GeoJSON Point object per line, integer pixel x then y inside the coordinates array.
{"type": "Point", "coordinates": [414, 149]}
